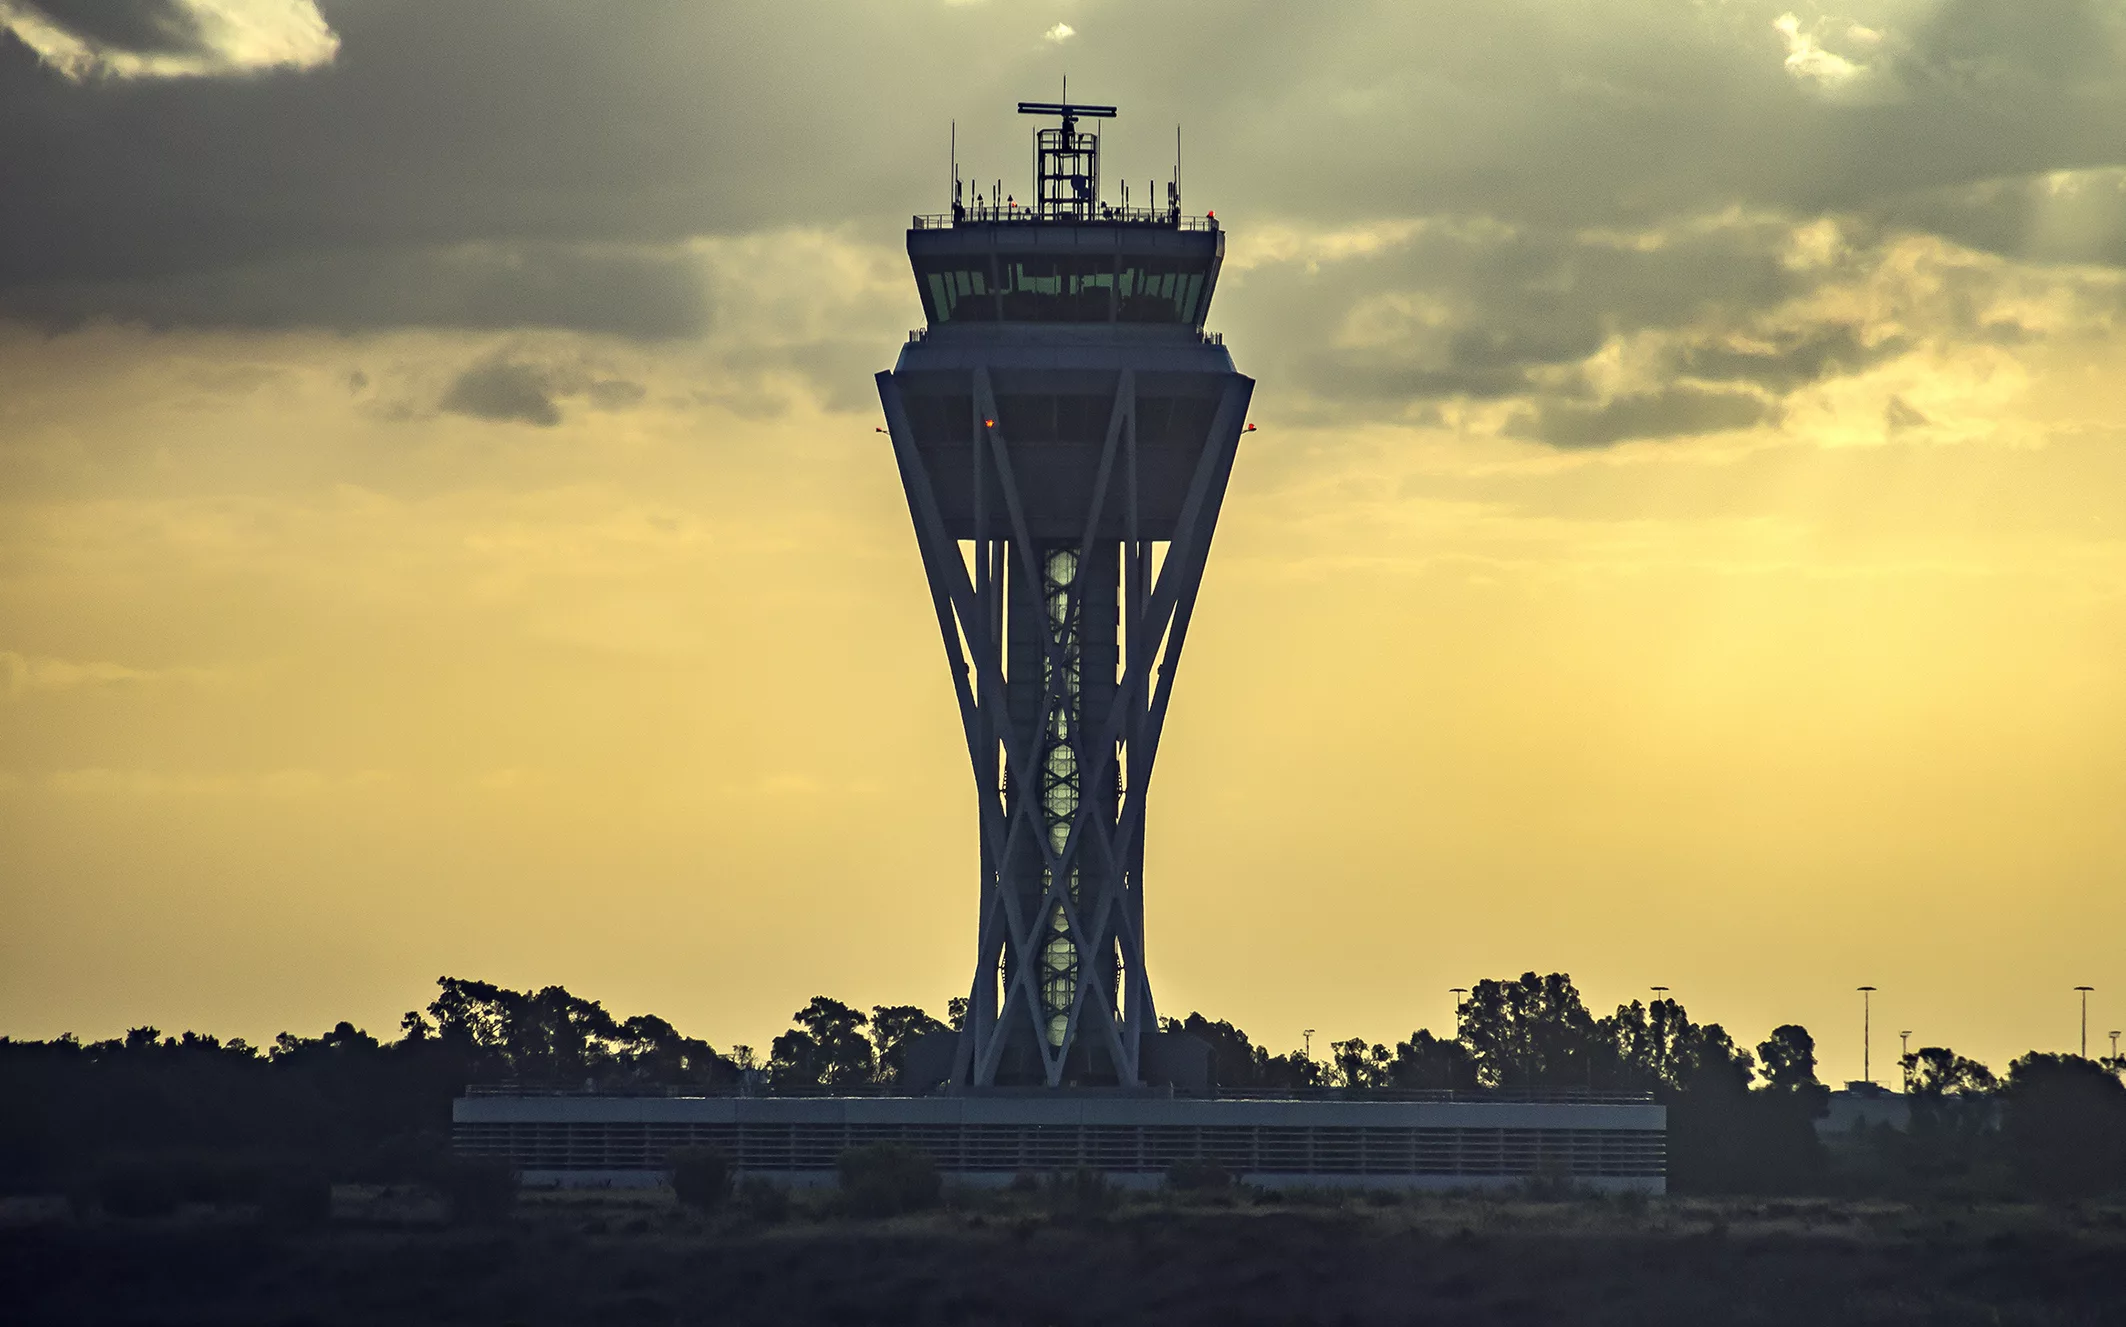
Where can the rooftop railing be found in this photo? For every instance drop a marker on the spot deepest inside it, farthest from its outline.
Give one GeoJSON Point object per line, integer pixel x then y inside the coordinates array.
{"type": "Point", "coordinates": [984, 214]}
{"type": "Point", "coordinates": [918, 335]}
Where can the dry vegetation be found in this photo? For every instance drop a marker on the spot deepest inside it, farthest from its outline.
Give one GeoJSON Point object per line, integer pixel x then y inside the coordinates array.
{"type": "Point", "coordinates": [1067, 1255]}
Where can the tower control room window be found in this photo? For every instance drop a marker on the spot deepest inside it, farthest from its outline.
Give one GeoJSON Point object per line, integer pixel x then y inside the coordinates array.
{"type": "Point", "coordinates": [1063, 288]}
{"type": "Point", "coordinates": [1040, 288]}
{"type": "Point", "coordinates": [1160, 290]}
{"type": "Point", "coordinates": [958, 290]}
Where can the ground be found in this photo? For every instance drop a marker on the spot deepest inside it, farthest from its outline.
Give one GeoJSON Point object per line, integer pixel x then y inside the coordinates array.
{"type": "Point", "coordinates": [1069, 1258]}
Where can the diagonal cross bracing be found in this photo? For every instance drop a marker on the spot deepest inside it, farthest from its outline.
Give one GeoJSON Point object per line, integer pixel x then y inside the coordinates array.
{"type": "Point", "coordinates": [1061, 856]}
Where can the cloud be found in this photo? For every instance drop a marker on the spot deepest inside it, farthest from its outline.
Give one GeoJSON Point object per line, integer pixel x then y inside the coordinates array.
{"type": "Point", "coordinates": [1464, 307]}
{"type": "Point", "coordinates": [275, 785]}
{"type": "Point", "coordinates": [1673, 412]}
{"type": "Point", "coordinates": [1060, 33]}
{"type": "Point", "coordinates": [131, 39]}
{"type": "Point", "coordinates": [1507, 202]}
{"type": "Point", "coordinates": [638, 293]}
{"type": "Point", "coordinates": [24, 674]}
{"type": "Point", "coordinates": [1789, 357]}
{"type": "Point", "coordinates": [513, 390]}
{"type": "Point", "coordinates": [1808, 61]}
{"type": "Point", "coordinates": [501, 390]}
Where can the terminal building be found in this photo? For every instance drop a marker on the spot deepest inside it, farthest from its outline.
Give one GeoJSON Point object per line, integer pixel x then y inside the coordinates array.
{"type": "Point", "coordinates": [1065, 428]}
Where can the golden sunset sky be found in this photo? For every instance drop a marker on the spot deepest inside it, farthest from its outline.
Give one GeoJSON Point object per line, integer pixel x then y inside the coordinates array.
{"type": "Point", "coordinates": [442, 528]}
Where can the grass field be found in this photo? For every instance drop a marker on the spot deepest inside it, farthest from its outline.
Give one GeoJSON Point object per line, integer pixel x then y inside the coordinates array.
{"type": "Point", "coordinates": [388, 1255]}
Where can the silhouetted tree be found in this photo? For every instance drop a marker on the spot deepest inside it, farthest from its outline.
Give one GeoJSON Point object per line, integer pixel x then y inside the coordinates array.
{"type": "Point", "coordinates": [894, 1029]}
{"type": "Point", "coordinates": [1788, 1059]}
{"type": "Point", "coordinates": [826, 1047]}
{"type": "Point", "coordinates": [1937, 1071]}
{"type": "Point", "coordinates": [1426, 1061]}
{"type": "Point", "coordinates": [1530, 1033]}
{"type": "Point", "coordinates": [1236, 1062]}
{"type": "Point", "coordinates": [551, 1036]}
{"type": "Point", "coordinates": [1290, 1071]}
{"type": "Point", "coordinates": [1354, 1064]}
{"type": "Point", "coordinates": [2064, 1121]}
{"type": "Point", "coordinates": [1657, 1048]}
{"type": "Point", "coordinates": [1948, 1094]}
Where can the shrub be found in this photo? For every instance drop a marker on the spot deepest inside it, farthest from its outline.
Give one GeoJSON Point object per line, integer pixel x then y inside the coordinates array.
{"type": "Point", "coordinates": [2064, 1122]}
{"type": "Point", "coordinates": [1198, 1175]}
{"type": "Point", "coordinates": [1081, 1192]}
{"type": "Point", "coordinates": [403, 1157]}
{"type": "Point", "coordinates": [1550, 1181]}
{"type": "Point", "coordinates": [296, 1198]}
{"type": "Point", "coordinates": [477, 1190]}
{"type": "Point", "coordinates": [764, 1200]}
{"type": "Point", "coordinates": [136, 1187]}
{"type": "Point", "coordinates": [701, 1176]}
{"type": "Point", "coordinates": [886, 1179]}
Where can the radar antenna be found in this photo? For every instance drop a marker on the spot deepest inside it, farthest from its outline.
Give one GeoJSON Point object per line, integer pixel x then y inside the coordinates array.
{"type": "Point", "coordinates": [1066, 166]}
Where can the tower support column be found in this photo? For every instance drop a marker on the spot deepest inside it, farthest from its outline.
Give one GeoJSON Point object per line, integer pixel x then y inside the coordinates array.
{"type": "Point", "coordinates": [1063, 649]}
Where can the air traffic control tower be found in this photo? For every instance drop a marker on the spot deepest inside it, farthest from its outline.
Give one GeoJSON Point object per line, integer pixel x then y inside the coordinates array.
{"type": "Point", "coordinates": [1064, 429]}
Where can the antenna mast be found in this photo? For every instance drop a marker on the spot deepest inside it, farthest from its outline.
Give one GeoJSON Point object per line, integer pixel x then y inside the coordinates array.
{"type": "Point", "coordinates": [1066, 162]}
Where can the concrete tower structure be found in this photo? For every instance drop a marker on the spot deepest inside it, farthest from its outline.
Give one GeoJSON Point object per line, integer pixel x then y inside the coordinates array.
{"type": "Point", "coordinates": [1064, 429]}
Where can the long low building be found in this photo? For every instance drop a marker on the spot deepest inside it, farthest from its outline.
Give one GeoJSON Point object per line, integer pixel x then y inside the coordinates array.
{"type": "Point", "coordinates": [989, 1139]}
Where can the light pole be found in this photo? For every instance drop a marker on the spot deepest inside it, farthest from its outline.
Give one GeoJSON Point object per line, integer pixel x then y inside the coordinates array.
{"type": "Point", "coordinates": [2114, 1046]}
{"type": "Point", "coordinates": [1867, 1033]}
{"type": "Point", "coordinates": [1904, 1057]}
{"type": "Point", "coordinates": [2085, 1018]}
{"type": "Point", "coordinates": [1459, 992]}
{"type": "Point", "coordinates": [1309, 1037]}
{"type": "Point", "coordinates": [1658, 991]}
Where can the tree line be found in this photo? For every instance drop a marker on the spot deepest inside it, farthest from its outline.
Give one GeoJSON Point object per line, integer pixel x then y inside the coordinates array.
{"type": "Point", "coordinates": [1739, 1119]}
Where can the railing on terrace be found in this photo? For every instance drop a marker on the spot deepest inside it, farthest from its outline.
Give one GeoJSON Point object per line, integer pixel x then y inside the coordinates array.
{"type": "Point", "coordinates": [918, 335]}
{"type": "Point", "coordinates": [1563, 1095]}
{"type": "Point", "coordinates": [986, 215]}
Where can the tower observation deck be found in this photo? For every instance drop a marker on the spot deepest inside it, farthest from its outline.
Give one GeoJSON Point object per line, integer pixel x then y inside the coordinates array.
{"type": "Point", "coordinates": [1064, 429]}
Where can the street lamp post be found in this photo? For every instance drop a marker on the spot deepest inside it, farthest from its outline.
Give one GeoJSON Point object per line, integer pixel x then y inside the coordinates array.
{"type": "Point", "coordinates": [1904, 1057]}
{"type": "Point", "coordinates": [1867, 1033]}
{"type": "Point", "coordinates": [1309, 1037]}
{"type": "Point", "coordinates": [2114, 1046]}
{"type": "Point", "coordinates": [1458, 992]}
{"type": "Point", "coordinates": [2085, 1018]}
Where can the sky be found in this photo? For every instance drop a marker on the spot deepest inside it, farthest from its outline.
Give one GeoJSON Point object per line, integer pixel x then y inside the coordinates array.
{"type": "Point", "coordinates": [442, 528]}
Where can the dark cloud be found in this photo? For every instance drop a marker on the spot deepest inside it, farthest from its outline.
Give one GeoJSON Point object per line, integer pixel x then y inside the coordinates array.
{"type": "Point", "coordinates": [492, 164]}
{"type": "Point", "coordinates": [1792, 358]}
{"type": "Point", "coordinates": [1489, 314]}
{"type": "Point", "coordinates": [1671, 413]}
{"type": "Point", "coordinates": [502, 390]}
{"type": "Point", "coordinates": [154, 27]}
{"type": "Point", "coordinates": [632, 292]}
{"type": "Point", "coordinates": [536, 126]}
{"type": "Point", "coordinates": [513, 389]}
